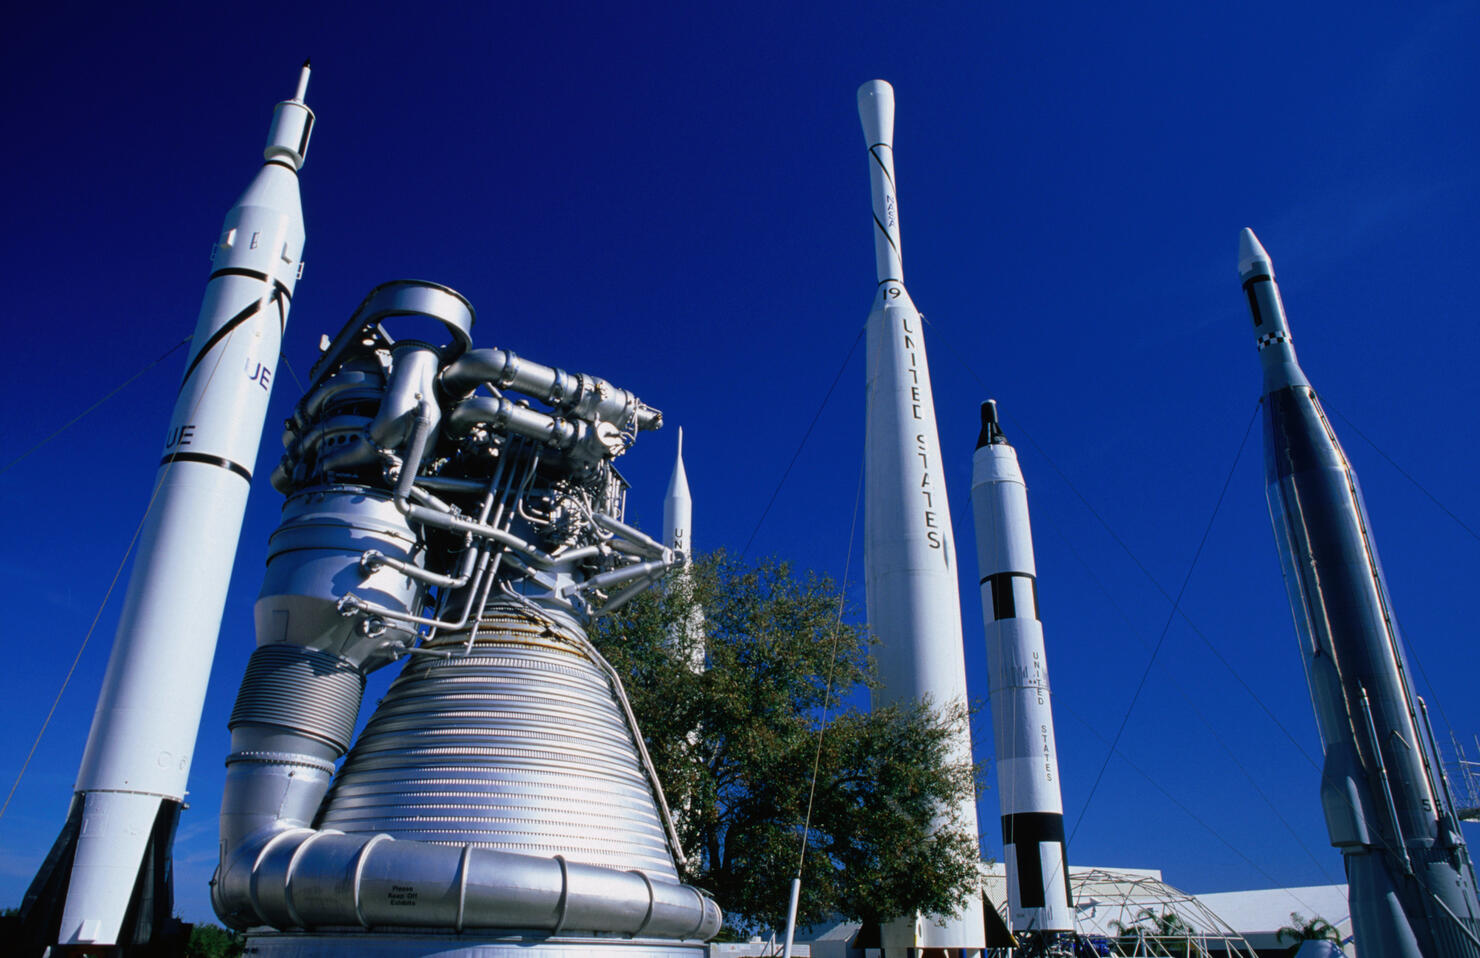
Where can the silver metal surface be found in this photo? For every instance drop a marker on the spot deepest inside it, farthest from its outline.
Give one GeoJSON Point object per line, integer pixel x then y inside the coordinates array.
{"type": "Point", "coordinates": [501, 783]}
{"type": "Point", "coordinates": [579, 394]}
{"type": "Point", "coordinates": [315, 557]}
{"type": "Point", "coordinates": [303, 878]}
{"type": "Point", "coordinates": [272, 694]}
{"type": "Point", "coordinates": [1412, 886]}
{"type": "Point", "coordinates": [390, 944]}
{"type": "Point", "coordinates": [516, 744]}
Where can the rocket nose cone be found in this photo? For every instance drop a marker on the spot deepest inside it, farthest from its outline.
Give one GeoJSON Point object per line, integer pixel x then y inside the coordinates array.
{"type": "Point", "coordinates": [1251, 255]}
{"type": "Point", "coordinates": [678, 482]}
{"type": "Point", "coordinates": [876, 111]}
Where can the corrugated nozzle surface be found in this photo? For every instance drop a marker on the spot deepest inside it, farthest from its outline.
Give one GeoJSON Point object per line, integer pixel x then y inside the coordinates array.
{"type": "Point", "coordinates": [518, 745]}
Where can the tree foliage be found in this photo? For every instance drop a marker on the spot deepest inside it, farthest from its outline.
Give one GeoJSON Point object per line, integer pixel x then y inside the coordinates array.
{"type": "Point", "coordinates": [213, 941]}
{"type": "Point", "coordinates": [1307, 929]}
{"type": "Point", "coordinates": [734, 743]}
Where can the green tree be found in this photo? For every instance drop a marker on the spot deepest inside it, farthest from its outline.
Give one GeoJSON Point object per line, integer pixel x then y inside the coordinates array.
{"type": "Point", "coordinates": [734, 743]}
{"type": "Point", "coordinates": [213, 941]}
{"type": "Point", "coordinates": [1307, 929]}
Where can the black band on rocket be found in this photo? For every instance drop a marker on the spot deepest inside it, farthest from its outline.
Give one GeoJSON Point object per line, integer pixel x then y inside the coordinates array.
{"type": "Point", "coordinates": [1254, 303]}
{"type": "Point", "coordinates": [220, 334]}
{"type": "Point", "coordinates": [1004, 604]}
{"type": "Point", "coordinates": [1026, 831]}
{"type": "Point", "coordinates": [254, 274]}
{"type": "Point", "coordinates": [201, 457]}
{"type": "Point", "coordinates": [887, 238]}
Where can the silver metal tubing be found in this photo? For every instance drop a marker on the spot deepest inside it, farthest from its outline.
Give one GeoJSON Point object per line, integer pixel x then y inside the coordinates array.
{"type": "Point", "coordinates": [1438, 781]}
{"type": "Point", "coordinates": [639, 542]}
{"type": "Point", "coordinates": [588, 397]}
{"type": "Point", "coordinates": [401, 297]}
{"type": "Point", "coordinates": [368, 382]}
{"type": "Point", "coordinates": [416, 448]}
{"type": "Point", "coordinates": [445, 484]}
{"type": "Point", "coordinates": [622, 597]}
{"type": "Point", "coordinates": [409, 393]}
{"type": "Point", "coordinates": [1396, 845]}
{"type": "Point", "coordinates": [372, 560]}
{"type": "Point", "coordinates": [471, 767]}
{"type": "Point", "coordinates": [297, 879]}
{"type": "Point", "coordinates": [647, 572]}
{"type": "Point", "coordinates": [272, 694]}
{"type": "Point", "coordinates": [432, 517]}
{"type": "Point", "coordinates": [477, 598]}
{"type": "Point", "coordinates": [589, 441]}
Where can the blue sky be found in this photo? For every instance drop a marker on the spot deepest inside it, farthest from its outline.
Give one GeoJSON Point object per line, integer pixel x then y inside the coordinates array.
{"type": "Point", "coordinates": [676, 198]}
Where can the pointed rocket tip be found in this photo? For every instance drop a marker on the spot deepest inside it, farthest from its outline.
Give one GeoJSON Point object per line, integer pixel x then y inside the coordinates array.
{"type": "Point", "coordinates": [303, 73]}
{"type": "Point", "coordinates": [876, 111]}
{"type": "Point", "coordinates": [1251, 255]}
{"type": "Point", "coordinates": [678, 483]}
{"type": "Point", "coordinates": [307, 62]}
{"type": "Point", "coordinates": [991, 433]}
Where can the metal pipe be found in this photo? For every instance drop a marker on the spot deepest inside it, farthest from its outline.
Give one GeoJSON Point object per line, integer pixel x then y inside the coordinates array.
{"type": "Point", "coordinates": [589, 441]}
{"type": "Point", "coordinates": [482, 580]}
{"type": "Point", "coordinates": [374, 559]}
{"type": "Point", "coordinates": [1439, 783]}
{"type": "Point", "coordinates": [585, 396]}
{"type": "Point", "coordinates": [641, 543]}
{"type": "Point", "coordinates": [1401, 846]}
{"type": "Point", "coordinates": [275, 870]}
{"type": "Point", "coordinates": [410, 392]}
{"type": "Point", "coordinates": [791, 916]}
{"type": "Point", "coordinates": [648, 571]}
{"type": "Point", "coordinates": [302, 878]}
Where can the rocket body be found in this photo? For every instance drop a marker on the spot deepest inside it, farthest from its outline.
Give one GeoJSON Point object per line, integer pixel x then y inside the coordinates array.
{"type": "Point", "coordinates": [678, 518]}
{"type": "Point", "coordinates": [678, 509]}
{"type": "Point", "coordinates": [1387, 808]}
{"type": "Point", "coordinates": [910, 558]}
{"type": "Point", "coordinates": [134, 769]}
{"type": "Point", "coordinates": [1022, 714]}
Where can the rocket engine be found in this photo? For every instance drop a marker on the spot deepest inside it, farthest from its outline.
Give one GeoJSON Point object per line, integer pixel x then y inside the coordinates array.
{"type": "Point", "coordinates": [458, 509]}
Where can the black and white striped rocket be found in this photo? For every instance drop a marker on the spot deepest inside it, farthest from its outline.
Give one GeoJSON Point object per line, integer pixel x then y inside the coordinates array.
{"type": "Point", "coordinates": [131, 784]}
{"type": "Point", "coordinates": [1410, 882]}
{"type": "Point", "coordinates": [1022, 712]}
{"type": "Point", "coordinates": [914, 603]}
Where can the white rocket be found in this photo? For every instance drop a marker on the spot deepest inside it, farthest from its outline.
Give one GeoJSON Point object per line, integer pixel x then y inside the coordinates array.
{"type": "Point", "coordinates": [678, 519]}
{"type": "Point", "coordinates": [1022, 714]}
{"type": "Point", "coordinates": [678, 509]}
{"type": "Point", "coordinates": [914, 604]}
{"type": "Point", "coordinates": [132, 780]}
